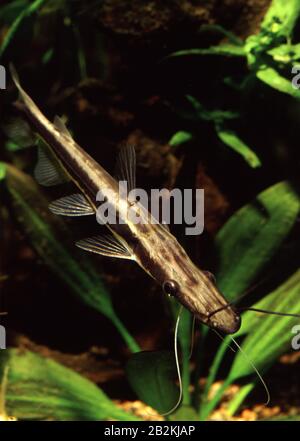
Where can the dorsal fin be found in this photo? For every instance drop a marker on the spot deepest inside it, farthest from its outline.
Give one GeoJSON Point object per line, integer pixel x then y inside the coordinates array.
{"type": "Point", "coordinates": [61, 126]}
{"type": "Point", "coordinates": [126, 166]}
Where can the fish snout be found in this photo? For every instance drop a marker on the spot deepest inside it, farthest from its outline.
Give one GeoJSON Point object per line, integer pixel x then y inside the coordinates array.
{"type": "Point", "coordinates": [224, 322]}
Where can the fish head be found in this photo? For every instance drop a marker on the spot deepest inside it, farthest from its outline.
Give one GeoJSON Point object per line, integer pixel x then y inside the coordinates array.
{"type": "Point", "coordinates": [197, 291]}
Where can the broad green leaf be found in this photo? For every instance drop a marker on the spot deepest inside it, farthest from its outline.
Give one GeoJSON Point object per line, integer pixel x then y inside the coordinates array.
{"type": "Point", "coordinates": [244, 246]}
{"type": "Point", "coordinates": [269, 336]}
{"type": "Point", "coordinates": [281, 17]}
{"type": "Point", "coordinates": [152, 376]}
{"type": "Point", "coordinates": [285, 53]}
{"type": "Point", "coordinates": [231, 139]}
{"type": "Point", "coordinates": [229, 50]}
{"type": "Point", "coordinates": [282, 299]}
{"type": "Point", "coordinates": [51, 239]}
{"type": "Point", "coordinates": [271, 77]}
{"type": "Point", "coordinates": [252, 236]}
{"type": "Point", "coordinates": [254, 46]}
{"type": "Point", "coordinates": [41, 389]}
{"type": "Point", "coordinates": [180, 138]}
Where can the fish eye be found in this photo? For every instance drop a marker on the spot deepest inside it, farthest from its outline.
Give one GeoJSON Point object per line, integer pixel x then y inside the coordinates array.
{"type": "Point", "coordinates": [170, 287]}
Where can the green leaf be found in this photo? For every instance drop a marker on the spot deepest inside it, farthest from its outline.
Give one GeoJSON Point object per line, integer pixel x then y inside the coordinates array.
{"type": "Point", "coordinates": [9, 11]}
{"type": "Point", "coordinates": [41, 389]}
{"type": "Point", "coordinates": [280, 300]}
{"type": "Point", "coordinates": [239, 398]}
{"type": "Point", "coordinates": [2, 171]}
{"type": "Point", "coordinates": [48, 55]}
{"type": "Point", "coordinates": [245, 246]}
{"type": "Point", "coordinates": [271, 77]}
{"type": "Point", "coordinates": [281, 17]}
{"type": "Point", "coordinates": [231, 139]}
{"type": "Point", "coordinates": [285, 53]}
{"type": "Point", "coordinates": [152, 376]}
{"type": "Point", "coordinates": [231, 37]}
{"type": "Point", "coordinates": [229, 50]}
{"type": "Point", "coordinates": [217, 115]}
{"type": "Point", "coordinates": [26, 12]}
{"type": "Point", "coordinates": [251, 237]}
{"type": "Point", "coordinates": [277, 27]}
{"type": "Point", "coordinates": [227, 136]}
{"type": "Point", "coordinates": [180, 138]}
{"type": "Point", "coordinates": [51, 239]}
{"type": "Point", "coordinates": [269, 336]}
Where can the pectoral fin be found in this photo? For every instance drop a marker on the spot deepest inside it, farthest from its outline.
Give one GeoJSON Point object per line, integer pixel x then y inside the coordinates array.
{"type": "Point", "coordinates": [73, 205]}
{"type": "Point", "coordinates": [48, 171]}
{"type": "Point", "coordinates": [107, 245]}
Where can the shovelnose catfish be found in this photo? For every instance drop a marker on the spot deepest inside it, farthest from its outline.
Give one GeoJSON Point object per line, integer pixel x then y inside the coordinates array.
{"type": "Point", "coordinates": [148, 243]}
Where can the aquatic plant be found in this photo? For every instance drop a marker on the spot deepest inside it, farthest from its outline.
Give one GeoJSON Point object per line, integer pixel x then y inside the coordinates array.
{"type": "Point", "coordinates": [247, 250]}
